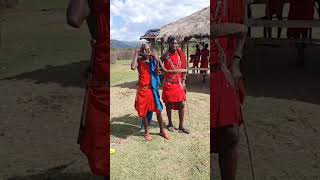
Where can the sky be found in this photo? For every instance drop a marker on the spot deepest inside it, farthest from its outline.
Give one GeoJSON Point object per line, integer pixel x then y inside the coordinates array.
{"type": "Point", "coordinates": [130, 19]}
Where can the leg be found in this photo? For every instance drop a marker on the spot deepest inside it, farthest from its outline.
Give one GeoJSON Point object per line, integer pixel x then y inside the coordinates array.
{"type": "Point", "coordinates": [269, 32]}
{"type": "Point", "coordinates": [160, 121]}
{"type": "Point", "coordinates": [265, 32]}
{"type": "Point", "coordinates": [228, 138]}
{"type": "Point", "coordinates": [170, 125]}
{"type": "Point", "coordinates": [162, 132]}
{"type": "Point", "coordinates": [181, 118]}
{"type": "Point", "coordinates": [147, 136]}
{"type": "Point", "coordinates": [279, 16]}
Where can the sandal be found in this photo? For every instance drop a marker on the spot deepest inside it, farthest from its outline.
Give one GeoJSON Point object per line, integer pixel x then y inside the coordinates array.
{"type": "Point", "coordinates": [165, 135]}
{"type": "Point", "coordinates": [170, 128]}
{"type": "Point", "coordinates": [184, 130]}
{"type": "Point", "coordinates": [147, 137]}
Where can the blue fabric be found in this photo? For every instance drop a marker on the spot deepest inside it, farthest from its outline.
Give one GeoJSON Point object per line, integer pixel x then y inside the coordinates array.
{"type": "Point", "coordinates": [155, 84]}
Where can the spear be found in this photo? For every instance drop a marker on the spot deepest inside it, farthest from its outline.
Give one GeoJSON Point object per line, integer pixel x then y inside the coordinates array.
{"type": "Point", "coordinates": [225, 30]}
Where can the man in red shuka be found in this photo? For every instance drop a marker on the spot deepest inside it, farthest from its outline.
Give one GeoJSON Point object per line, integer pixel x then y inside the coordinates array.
{"type": "Point", "coordinates": [300, 10]}
{"type": "Point", "coordinates": [94, 129]}
{"type": "Point", "coordinates": [174, 91]}
{"type": "Point", "coordinates": [204, 59]}
{"type": "Point", "coordinates": [274, 7]}
{"type": "Point", "coordinates": [196, 60]}
{"type": "Point", "coordinates": [145, 101]}
{"type": "Point", "coordinates": [227, 91]}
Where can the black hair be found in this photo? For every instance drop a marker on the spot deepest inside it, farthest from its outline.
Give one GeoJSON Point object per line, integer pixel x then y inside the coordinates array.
{"type": "Point", "coordinates": [171, 38]}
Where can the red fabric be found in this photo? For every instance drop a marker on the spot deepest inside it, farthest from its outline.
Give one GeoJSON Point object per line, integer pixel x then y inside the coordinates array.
{"type": "Point", "coordinates": [144, 99]}
{"type": "Point", "coordinates": [95, 143]}
{"type": "Point", "coordinates": [196, 58]}
{"type": "Point", "coordinates": [204, 58]}
{"type": "Point", "coordinates": [225, 101]}
{"type": "Point", "coordinates": [174, 92]}
{"type": "Point", "coordinates": [275, 7]}
{"type": "Point", "coordinates": [300, 10]}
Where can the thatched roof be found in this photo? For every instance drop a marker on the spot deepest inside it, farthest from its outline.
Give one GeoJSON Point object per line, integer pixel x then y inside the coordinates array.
{"type": "Point", "coordinates": [194, 26]}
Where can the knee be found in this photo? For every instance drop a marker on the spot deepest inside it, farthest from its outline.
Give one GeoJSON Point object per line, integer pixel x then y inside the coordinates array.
{"type": "Point", "coordinates": [181, 105]}
{"type": "Point", "coordinates": [232, 137]}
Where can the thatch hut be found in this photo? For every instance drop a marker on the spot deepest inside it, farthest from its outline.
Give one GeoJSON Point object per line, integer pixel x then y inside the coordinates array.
{"type": "Point", "coordinates": [197, 25]}
{"type": "Point", "coordinates": [194, 26]}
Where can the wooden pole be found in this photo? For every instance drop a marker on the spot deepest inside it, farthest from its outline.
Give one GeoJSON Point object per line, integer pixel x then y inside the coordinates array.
{"type": "Point", "coordinates": [161, 44]}
{"type": "Point", "coordinates": [1, 20]}
{"type": "Point", "coordinates": [187, 55]}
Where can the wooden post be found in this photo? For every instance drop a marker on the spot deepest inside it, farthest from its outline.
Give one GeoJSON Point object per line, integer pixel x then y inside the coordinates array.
{"type": "Point", "coordinates": [182, 46]}
{"type": "Point", "coordinates": [187, 56]}
{"type": "Point", "coordinates": [1, 20]}
{"type": "Point", "coordinates": [249, 16]}
{"type": "Point", "coordinates": [161, 43]}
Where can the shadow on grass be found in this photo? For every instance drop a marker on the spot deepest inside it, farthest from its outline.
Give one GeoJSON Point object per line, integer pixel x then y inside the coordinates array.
{"type": "Point", "coordinates": [69, 75]}
{"type": "Point", "coordinates": [273, 73]}
{"type": "Point", "coordinates": [56, 173]}
{"type": "Point", "coordinates": [127, 125]}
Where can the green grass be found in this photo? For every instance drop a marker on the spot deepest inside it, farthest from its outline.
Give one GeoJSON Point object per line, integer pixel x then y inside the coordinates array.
{"type": "Point", "coordinates": [117, 72]}
{"type": "Point", "coordinates": [182, 157]}
{"type": "Point", "coordinates": [34, 39]}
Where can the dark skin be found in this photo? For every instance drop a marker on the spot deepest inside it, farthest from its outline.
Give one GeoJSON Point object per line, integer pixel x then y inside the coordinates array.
{"type": "Point", "coordinates": [227, 146]}
{"type": "Point", "coordinates": [173, 46]}
{"type": "Point", "coordinates": [134, 65]}
{"type": "Point", "coordinates": [204, 77]}
{"type": "Point", "coordinates": [269, 16]}
{"type": "Point", "coordinates": [79, 11]}
{"type": "Point", "coordinates": [197, 49]}
{"type": "Point", "coordinates": [227, 138]}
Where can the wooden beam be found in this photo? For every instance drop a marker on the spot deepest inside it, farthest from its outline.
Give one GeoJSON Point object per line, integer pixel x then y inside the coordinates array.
{"type": "Point", "coordinates": [161, 44]}
{"type": "Point", "coordinates": [284, 24]}
{"type": "Point", "coordinates": [282, 41]}
{"type": "Point", "coordinates": [188, 54]}
{"type": "Point", "coordinates": [201, 69]}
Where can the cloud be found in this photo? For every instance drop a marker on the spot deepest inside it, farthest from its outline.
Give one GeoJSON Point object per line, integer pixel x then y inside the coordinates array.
{"type": "Point", "coordinates": [138, 16]}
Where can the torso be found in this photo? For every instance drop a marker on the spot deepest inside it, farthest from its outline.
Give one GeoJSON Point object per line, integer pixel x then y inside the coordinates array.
{"type": "Point", "coordinates": [144, 73]}
{"type": "Point", "coordinates": [172, 61]}
{"type": "Point", "coordinates": [197, 54]}
{"type": "Point", "coordinates": [98, 21]}
{"type": "Point", "coordinates": [92, 22]}
{"type": "Point", "coordinates": [97, 14]}
{"type": "Point", "coordinates": [204, 54]}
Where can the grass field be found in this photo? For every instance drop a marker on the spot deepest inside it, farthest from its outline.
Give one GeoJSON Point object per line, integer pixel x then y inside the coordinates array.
{"type": "Point", "coordinates": [41, 92]}
{"type": "Point", "coordinates": [41, 60]}
{"type": "Point", "coordinates": [182, 157]}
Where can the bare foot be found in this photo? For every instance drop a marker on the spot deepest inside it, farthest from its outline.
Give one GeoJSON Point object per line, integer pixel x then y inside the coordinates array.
{"type": "Point", "coordinates": [147, 137]}
{"type": "Point", "coordinates": [165, 135]}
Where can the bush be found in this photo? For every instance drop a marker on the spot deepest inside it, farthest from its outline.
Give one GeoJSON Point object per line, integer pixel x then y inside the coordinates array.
{"type": "Point", "coordinates": [121, 54]}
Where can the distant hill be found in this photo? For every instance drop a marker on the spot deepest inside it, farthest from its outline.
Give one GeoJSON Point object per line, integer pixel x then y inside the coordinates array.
{"type": "Point", "coordinates": [123, 44]}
